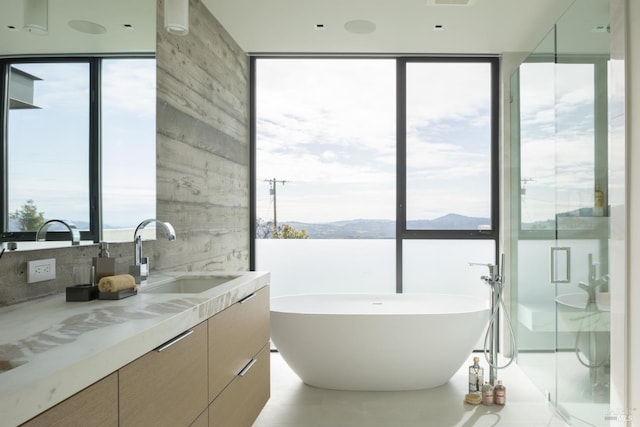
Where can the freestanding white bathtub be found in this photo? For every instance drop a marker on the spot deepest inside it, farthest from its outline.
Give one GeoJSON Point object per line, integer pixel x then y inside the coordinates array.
{"type": "Point", "coordinates": [377, 342]}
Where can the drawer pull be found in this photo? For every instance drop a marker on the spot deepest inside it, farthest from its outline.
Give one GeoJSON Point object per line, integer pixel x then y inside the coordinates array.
{"type": "Point", "coordinates": [247, 298]}
{"type": "Point", "coordinates": [246, 368]}
{"type": "Point", "coordinates": [174, 340]}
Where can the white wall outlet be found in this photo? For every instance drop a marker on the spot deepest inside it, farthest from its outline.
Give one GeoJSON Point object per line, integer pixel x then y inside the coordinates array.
{"type": "Point", "coordinates": [41, 270]}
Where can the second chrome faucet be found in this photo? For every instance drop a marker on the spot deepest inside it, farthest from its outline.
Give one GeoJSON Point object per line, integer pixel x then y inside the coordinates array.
{"type": "Point", "coordinates": [140, 268]}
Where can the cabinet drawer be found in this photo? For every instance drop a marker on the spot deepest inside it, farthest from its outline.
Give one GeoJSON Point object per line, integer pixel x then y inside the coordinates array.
{"type": "Point", "coordinates": [96, 405]}
{"type": "Point", "coordinates": [241, 402]}
{"type": "Point", "coordinates": [166, 387]}
{"type": "Point", "coordinates": [236, 335]}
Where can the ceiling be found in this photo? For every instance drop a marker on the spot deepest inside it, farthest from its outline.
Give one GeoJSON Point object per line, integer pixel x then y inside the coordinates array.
{"type": "Point", "coordinates": [314, 26]}
{"type": "Point", "coordinates": [111, 14]}
{"type": "Point", "coordinates": [401, 26]}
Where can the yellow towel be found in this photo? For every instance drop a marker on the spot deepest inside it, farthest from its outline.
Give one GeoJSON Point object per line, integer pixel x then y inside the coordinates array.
{"type": "Point", "coordinates": [116, 283]}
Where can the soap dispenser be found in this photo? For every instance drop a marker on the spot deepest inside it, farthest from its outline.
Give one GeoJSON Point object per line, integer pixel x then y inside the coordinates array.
{"type": "Point", "coordinates": [104, 264]}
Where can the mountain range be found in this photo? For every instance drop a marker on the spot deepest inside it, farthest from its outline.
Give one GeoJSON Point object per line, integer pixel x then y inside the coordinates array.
{"type": "Point", "coordinates": [384, 229]}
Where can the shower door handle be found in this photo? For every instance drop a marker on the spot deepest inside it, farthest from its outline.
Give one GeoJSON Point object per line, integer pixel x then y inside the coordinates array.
{"type": "Point", "coordinates": [560, 265]}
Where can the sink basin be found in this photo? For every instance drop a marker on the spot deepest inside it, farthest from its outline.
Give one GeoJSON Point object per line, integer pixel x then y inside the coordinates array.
{"type": "Point", "coordinates": [579, 301]}
{"type": "Point", "coordinates": [188, 285]}
{"type": "Point", "coordinates": [7, 365]}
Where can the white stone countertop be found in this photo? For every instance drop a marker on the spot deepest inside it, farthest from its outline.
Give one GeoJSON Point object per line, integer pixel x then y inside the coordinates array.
{"type": "Point", "coordinates": [62, 347]}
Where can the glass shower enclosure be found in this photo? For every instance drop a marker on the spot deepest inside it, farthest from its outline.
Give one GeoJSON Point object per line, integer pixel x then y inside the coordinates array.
{"type": "Point", "coordinates": [560, 223]}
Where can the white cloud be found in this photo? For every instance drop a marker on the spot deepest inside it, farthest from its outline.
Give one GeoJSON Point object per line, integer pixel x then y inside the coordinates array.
{"type": "Point", "coordinates": [329, 128]}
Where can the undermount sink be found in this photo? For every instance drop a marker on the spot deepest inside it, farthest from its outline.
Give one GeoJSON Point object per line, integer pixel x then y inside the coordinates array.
{"type": "Point", "coordinates": [7, 365]}
{"type": "Point", "coordinates": [188, 284]}
{"type": "Point", "coordinates": [578, 301]}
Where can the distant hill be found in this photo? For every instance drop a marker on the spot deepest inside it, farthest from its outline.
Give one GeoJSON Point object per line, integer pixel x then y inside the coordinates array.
{"type": "Point", "coordinates": [382, 228]}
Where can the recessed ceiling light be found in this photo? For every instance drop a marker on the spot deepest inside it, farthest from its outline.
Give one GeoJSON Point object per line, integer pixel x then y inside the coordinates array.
{"type": "Point", "coordinates": [128, 27]}
{"type": "Point", "coordinates": [601, 28]}
{"type": "Point", "coordinates": [87, 27]}
{"type": "Point", "coordinates": [11, 28]}
{"type": "Point", "coordinates": [438, 27]}
{"type": "Point", "coordinates": [360, 26]}
{"type": "Point", "coordinates": [320, 27]}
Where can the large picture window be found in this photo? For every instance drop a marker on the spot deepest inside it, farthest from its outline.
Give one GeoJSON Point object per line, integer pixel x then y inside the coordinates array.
{"type": "Point", "coordinates": [357, 159]}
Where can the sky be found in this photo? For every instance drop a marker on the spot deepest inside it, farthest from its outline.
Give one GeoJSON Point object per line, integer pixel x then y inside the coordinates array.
{"type": "Point", "coordinates": [328, 127]}
{"type": "Point", "coordinates": [48, 147]}
{"type": "Point", "coordinates": [557, 138]}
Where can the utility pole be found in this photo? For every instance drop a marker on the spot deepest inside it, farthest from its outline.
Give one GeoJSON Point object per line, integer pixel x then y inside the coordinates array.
{"type": "Point", "coordinates": [272, 190]}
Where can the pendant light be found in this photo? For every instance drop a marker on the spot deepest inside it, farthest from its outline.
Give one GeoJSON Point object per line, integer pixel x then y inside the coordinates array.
{"type": "Point", "coordinates": [176, 17]}
{"type": "Point", "coordinates": [36, 16]}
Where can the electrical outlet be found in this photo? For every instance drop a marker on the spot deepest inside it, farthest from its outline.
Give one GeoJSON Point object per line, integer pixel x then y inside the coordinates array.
{"type": "Point", "coordinates": [41, 270]}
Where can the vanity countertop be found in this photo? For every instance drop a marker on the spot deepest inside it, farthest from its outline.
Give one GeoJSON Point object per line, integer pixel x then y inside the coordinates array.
{"type": "Point", "coordinates": [58, 348]}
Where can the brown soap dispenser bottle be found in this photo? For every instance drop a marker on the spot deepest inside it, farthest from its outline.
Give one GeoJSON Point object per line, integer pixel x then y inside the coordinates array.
{"type": "Point", "coordinates": [104, 264]}
{"type": "Point", "coordinates": [500, 394]}
{"type": "Point", "coordinates": [598, 201]}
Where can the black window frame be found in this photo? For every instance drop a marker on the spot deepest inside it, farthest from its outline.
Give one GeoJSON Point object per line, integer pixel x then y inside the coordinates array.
{"type": "Point", "coordinates": [402, 233]}
{"type": "Point", "coordinates": [94, 233]}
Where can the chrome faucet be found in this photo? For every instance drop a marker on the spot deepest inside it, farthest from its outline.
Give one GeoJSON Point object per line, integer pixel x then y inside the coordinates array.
{"type": "Point", "coordinates": [594, 281]}
{"type": "Point", "coordinates": [73, 231]}
{"type": "Point", "coordinates": [494, 275]}
{"type": "Point", "coordinates": [140, 268]}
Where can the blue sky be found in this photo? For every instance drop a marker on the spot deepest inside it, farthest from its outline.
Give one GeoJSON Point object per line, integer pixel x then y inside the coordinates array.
{"type": "Point", "coordinates": [558, 158]}
{"type": "Point", "coordinates": [329, 127]}
{"type": "Point", "coordinates": [48, 147]}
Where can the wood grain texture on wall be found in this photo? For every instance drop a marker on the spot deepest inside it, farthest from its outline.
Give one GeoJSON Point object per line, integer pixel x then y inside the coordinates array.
{"type": "Point", "coordinates": [202, 146]}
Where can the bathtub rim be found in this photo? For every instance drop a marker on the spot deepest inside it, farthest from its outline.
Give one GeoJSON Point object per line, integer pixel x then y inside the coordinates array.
{"type": "Point", "coordinates": [479, 304]}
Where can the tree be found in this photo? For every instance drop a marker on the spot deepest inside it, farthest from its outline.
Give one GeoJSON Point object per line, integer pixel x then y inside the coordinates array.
{"type": "Point", "coordinates": [266, 230]}
{"type": "Point", "coordinates": [288, 232]}
{"type": "Point", "coordinates": [263, 229]}
{"type": "Point", "coordinates": [28, 217]}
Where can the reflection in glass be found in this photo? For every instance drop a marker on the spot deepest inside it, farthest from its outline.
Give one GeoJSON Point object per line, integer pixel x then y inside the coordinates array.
{"type": "Point", "coordinates": [557, 144]}
{"type": "Point", "coordinates": [48, 145]}
{"type": "Point", "coordinates": [128, 145]}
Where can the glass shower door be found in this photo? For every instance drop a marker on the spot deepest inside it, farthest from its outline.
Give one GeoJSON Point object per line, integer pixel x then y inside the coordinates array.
{"type": "Point", "coordinates": [560, 243]}
{"type": "Point", "coordinates": [533, 214]}
{"type": "Point", "coordinates": [582, 217]}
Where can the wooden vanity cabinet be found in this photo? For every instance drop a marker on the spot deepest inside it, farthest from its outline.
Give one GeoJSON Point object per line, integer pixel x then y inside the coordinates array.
{"type": "Point", "coordinates": [166, 387]}
{"type": "Point", "coordinates": [241, 402]}
{"type": "Point", "coordinates": [97, 403]}
{"type": "Point", "coordinates": [239, 363]}
{"type": "Point", "coordinates": [216, 374]}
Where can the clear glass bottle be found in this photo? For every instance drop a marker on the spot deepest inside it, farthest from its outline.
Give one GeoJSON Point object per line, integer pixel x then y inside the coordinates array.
{"type": "Point", "coordinates": [487, 394]}
{"type": "Point", "coordinates": [500, 394]}
{"type": "Point", "coordinates": [476, 376]}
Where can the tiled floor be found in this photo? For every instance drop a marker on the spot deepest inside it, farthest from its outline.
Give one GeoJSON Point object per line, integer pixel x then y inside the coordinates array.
{"type": "Point", "coordinates": [294, 404]}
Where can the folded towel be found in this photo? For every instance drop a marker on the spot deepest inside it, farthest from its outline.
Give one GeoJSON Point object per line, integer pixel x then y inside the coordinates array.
{"type": "Point", "coordinates": [116, 283]}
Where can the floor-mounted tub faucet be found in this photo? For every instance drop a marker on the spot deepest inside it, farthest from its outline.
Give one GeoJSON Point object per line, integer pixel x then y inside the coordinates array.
{"type": "Point", "coordinates": [491, 337]}
{"type": "Point", "coordinates": [494, 274]}
{"type": "Point", "coordinates": [140, 268]}
{"type": "Point", "coordinates": [73, 231]}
